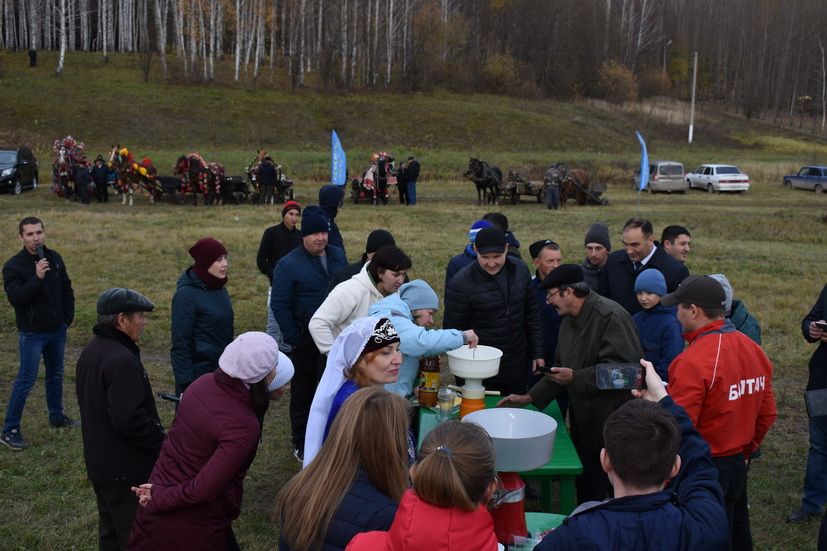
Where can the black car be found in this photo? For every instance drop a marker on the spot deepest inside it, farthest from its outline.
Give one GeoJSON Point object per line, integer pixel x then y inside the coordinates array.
{"type": "Point", "coordinates": [18, 170]}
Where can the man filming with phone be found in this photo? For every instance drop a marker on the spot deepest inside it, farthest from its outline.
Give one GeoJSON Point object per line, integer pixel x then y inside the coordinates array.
{"type": "Point", "coordinates": [594, 330]}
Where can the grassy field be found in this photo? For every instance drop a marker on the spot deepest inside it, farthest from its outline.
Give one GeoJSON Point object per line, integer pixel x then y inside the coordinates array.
{"type": "Point", "coordinates": [770, 242]}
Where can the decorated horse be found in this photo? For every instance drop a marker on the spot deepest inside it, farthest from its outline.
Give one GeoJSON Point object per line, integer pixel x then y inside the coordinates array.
{"type": "Point", "coordinates": [574, 184]}
{"type": "Point", "coordinates": [487, 178]}
{"type": "Point", "coordinates": [134, 175]}
{"type": "Point", "coordinates": [375, 184]}
{"type": "Point", "coordinates": [67, 155]}
{"type": "Point", "coordinates": [199, 176]}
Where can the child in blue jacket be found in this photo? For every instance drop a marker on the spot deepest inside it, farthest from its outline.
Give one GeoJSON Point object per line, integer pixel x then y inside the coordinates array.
{"type": "Point", "coordinates": [658, 326]}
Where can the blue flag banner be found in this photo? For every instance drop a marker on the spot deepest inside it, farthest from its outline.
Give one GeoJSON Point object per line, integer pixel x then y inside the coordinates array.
{"type": "Point", "coordinates": [338, 163]}
{"type": "Point", "coordinates": [644, 163]}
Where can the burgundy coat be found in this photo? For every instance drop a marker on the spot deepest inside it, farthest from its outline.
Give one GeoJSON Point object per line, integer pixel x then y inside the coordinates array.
{"type": "Point", "coordinates": [197, 481]}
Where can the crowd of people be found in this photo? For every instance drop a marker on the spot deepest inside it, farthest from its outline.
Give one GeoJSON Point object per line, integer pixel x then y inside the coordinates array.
{"type": "Point", "coordinates": [663, 468]}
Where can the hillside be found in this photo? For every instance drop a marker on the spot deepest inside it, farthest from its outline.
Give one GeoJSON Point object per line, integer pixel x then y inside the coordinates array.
{"type": "Point", "coordinates": [107, 103]}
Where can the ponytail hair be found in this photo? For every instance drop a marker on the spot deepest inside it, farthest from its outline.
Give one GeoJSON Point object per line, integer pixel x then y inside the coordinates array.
{"type": "Point", "coordinates": [456, 466]}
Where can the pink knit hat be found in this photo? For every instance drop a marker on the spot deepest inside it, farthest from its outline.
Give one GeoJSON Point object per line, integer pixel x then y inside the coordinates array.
{"type": "Point", "coordinates": [251, 356]}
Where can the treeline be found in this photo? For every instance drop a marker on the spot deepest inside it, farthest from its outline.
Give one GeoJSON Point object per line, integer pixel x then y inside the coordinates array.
{"type": "Point", "coordinates": [759, 57]}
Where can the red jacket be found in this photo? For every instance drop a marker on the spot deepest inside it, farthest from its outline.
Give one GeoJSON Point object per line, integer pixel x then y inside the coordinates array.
{"type": "Point", "coordinates": [197, 481]}
{"type": "Point", "coordinates": [420, 526]}
{"type": "Point", "coordinates": [724, 382]}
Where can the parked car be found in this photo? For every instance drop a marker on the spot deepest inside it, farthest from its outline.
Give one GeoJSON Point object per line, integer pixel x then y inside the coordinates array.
{"type": "Point", "coordinates": [715, 178]}
{"type": "Point", "coordinates": [18, 170]}
{"type": "Point", "coordinates": [811, 178]}
{"type": "Point", "coordinates": [664, 176]}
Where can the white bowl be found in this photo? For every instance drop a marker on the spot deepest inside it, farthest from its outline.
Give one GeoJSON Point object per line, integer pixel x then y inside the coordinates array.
{"type": "Point", "coordinates": [481, 362]}
{"type": "Point", "coordinates": [523, 439]}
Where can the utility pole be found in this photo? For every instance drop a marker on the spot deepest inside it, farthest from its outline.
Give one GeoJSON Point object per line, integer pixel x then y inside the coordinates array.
{"type": "Point", "coordinates": [692, 107]}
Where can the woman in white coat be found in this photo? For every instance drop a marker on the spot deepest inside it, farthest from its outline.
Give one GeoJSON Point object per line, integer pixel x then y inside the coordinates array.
{"type": "Point", "coordinates": [351, 299]}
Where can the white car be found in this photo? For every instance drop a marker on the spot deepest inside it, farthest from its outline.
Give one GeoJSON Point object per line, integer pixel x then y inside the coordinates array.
{"type": "Point", "coordinates": [715, 178]}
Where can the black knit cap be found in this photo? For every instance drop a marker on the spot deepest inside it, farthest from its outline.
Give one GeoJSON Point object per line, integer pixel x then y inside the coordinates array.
{"type": "Point", "coordinates": [565, 274]}
{"type": "Point", "coordinates": [598, 233]}
{"type": "Point", "coordinates": [378, 239]}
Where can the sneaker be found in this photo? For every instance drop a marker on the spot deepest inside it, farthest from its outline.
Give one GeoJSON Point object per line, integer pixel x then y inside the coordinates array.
{"type": "Point", "coordinates": [800, 515]}
{"type": "Point", "coordinates": [13, 439]}
{"type": "Point", "coordinates": [64, 421]}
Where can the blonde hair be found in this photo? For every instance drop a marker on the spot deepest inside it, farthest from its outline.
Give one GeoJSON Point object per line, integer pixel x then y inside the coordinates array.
{"type": "Point", "coordinates": [370, 432]}
{"type": "Point", "coordinates": [456, 466]}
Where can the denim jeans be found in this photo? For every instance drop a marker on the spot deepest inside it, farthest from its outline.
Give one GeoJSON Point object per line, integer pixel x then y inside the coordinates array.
{"type": "Point", "coordinates": [412, 192]}
{"type": "Point", "coordinates": [50, 345]}
{"type": "Point", "coordinates": [815, 478]}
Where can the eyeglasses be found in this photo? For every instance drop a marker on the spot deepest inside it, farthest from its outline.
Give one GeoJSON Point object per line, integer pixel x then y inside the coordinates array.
{"type": "Point", "coordinates": [559, 291]}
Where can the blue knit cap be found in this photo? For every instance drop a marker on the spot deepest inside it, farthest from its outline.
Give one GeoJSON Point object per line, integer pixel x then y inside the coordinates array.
{"type": "Point", "coordinates": [651, 281]}
{"type": "Point", "coordinates": [475, 229]}
{"type": "Point", "coordinates": [418, 295]}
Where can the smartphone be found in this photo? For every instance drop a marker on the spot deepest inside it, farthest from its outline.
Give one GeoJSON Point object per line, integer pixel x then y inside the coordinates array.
{"type": "Point", "coordinates": [617, 376]}
{"type": "Point", "coordinates": [544, 369]}
{"type": "Point", "coordinates": [821, 325]}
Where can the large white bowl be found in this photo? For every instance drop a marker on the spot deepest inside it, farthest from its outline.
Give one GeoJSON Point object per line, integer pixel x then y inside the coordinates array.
{"type": "Point", "coordinates": [481, 362]}
{"type": "Point", "coordinates": [523, 439]}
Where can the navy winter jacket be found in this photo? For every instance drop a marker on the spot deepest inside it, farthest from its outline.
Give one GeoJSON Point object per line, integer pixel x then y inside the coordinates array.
{"type": "Point", "coordinates": [364, 508]}
{"type": "Point", "coordinates": [458, 262]}
{"type": "Point", "coordinates": [818, 361]}
{"type": "Point", "coordinates": [661, 336]}
{"type": "Point", "coordinates": [687, 515]}
{"type": "Point", "coordinates": [299, 286]}
{"type": "Point", "coordinates": [202, 326]}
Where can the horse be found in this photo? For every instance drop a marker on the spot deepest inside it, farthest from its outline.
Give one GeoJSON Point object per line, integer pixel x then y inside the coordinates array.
{"type": "Point", "coordinates": [487, 178]}
{"type": "Point", "coordinates": [132, 175]}
{"type": "Point", "coordinates": [199, 176]}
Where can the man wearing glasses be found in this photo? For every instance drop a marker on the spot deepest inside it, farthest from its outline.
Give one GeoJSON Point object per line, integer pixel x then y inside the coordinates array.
{"type": "Point", "coordinates": [594, 330]}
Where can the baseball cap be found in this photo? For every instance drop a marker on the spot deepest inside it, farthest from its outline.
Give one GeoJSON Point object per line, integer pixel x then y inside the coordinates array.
{"type": "Point", "coordinates": [700, 290]}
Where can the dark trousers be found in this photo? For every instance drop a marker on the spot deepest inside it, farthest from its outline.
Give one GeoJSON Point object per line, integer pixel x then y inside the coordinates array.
{"type": "Point", "coordinates": [102, 193]}
{"type": "Point", "coordinates": [593, 484]}
{"type": "Point", "coordinates": [116, 512]}
{"type": "Point", "coordinates": [403, 192]}
{"type": "Point", "coordinates": [732, 475]}
{"type": "Point", "coordinates": [553, 197]}
{"type": "Point", "coordinates": [306, 359]}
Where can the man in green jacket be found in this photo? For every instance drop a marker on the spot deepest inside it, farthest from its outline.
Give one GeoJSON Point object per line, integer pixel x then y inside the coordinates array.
{"type": "Point", "coordinates": [594, 330]}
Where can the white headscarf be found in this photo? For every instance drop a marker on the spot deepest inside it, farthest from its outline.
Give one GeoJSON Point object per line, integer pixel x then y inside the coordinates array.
{"type": "Point", "coordinates": [343, 354]}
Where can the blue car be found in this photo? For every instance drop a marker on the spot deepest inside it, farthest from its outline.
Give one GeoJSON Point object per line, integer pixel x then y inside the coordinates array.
{"type": "Point", "coordinates": [811, 178]}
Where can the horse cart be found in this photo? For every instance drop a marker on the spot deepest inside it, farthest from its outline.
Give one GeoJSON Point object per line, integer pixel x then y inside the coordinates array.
{"type": "Point", "coordinates": [375, 185]}
{"type": "Point", "coordinates": [516, 184]}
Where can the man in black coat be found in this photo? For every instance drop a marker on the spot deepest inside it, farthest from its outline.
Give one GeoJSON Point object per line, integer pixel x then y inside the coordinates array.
{"type": "Point", "coordinates": [39, 289]}
{"type": "Point", "coordinates": [412, 175]}
{"type": "Point", "coordinates": [617, 278]}
{"type": "Point", "coordinates": [494, 297]}
{"type": "Point", "coordinates": [276, 242]}
{"type": "Point", "coordinates": [122, 433]}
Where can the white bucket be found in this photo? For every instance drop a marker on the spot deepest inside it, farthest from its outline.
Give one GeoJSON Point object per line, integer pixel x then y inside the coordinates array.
{"type": "Point", "coordinates": [523, 439]}
{"type": "Point", "coordinates": [481, 362]}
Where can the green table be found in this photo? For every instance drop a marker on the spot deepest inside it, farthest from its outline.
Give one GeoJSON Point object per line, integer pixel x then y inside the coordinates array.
{"type": "Point", "coordinates": [564, 465]}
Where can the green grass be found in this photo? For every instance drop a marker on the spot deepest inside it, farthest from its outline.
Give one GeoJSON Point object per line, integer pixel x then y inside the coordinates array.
{"type": "Point", "coordinates": [770, 242]}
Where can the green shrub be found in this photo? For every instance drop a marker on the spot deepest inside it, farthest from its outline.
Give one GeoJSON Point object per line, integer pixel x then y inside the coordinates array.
{"type": "Point", "coordinates": [615, 83]}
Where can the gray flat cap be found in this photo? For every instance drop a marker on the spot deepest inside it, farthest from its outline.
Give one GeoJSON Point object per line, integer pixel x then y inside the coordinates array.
{"type": "Point", "coordinates": [120, 299]}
